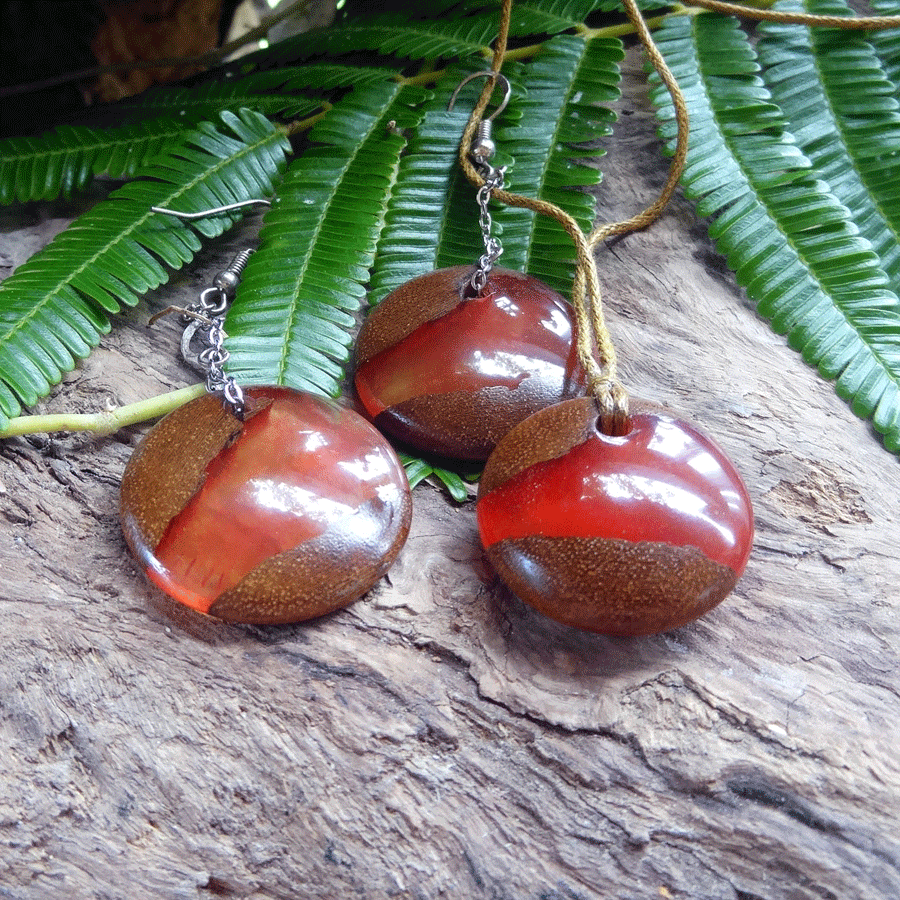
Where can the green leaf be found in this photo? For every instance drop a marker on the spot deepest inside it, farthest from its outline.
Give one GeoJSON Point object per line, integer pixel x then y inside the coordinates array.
{"type": "Point", "coordinates": [293, 320]}
{"type": "Point", "coordinates": [273, 93]}
{"type": "Point", "coordinates": [432, 219]}
{"type": "Point", "coordinates": [417, 470]}
{"type": "Point", "coordinates": [849, 128]}
{"type": "Point", "coordinates": [54, 307]}
{"type": "Point", "coordinates": [64, 161]}
{"type": "Point", "coordinates": [391, 34]}
{"type": "Point", "coordinates": [789, 240]}
{"type": "Point", "coordinates": [887, 42]}
{"type": "Point", "coordinates": [553, 158]}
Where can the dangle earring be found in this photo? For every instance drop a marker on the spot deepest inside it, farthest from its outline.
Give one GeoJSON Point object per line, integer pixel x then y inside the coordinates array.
{"type": "Point", "coordinates": [261, 505]}
{"type": "Point", "coordinates": [625, 529]}
{"type": "Point", "coordinates": [612, 516]}
{"type": "Point", "coordinates": [502, 341]}
{"type": "Point", "coordinates": [624, 520]}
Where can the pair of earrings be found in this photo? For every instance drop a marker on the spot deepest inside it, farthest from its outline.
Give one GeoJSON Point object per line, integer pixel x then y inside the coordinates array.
{"type": "Point", "coordinates": [624, 523]}
{"type": "Point", "coordinates": [285, 506]}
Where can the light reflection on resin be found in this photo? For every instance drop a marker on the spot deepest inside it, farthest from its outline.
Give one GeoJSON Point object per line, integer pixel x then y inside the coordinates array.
{"type": "Point", "coordinates": [664, 481]}
{"type": "Point", "coordinates": [509, 349]}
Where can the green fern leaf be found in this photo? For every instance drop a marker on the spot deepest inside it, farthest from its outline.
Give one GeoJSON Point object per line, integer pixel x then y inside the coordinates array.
{"type": "Point", "coordinates": [552, 155]}
{"type": "Point", "coordinates": [534, 17]}
{"type": "Point", "coordinates": [273, 93]}
{"type": "Point", "coordinates": [887, 43]}
{"type": "Point", "coordinates": [415, 217]}
{"type": "Point", "coordinates": [293, 320]}
{"type": "Point", "coordinates": [432, 220]}
{"type": "Point", "coordinates": [530, 17]}
{"type": "Point", "coordinates": [786, 236]}
{"type": "Point", "coordinates": [388, 34]}
{"type": "Point", "coordinates": [848, 127]}
{"type": "Point", "coordinates": [66, 160]}
{"type": "Point", "coordinates": [417, 470]}
{"type": "Point", "coordinates": [54, 307]}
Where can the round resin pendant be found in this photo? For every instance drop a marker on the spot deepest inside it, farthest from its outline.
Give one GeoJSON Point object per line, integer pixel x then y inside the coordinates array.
{"type": "Point", "coordinates": [293, 513]}
{"type": "Point", "coordinates": [450, 374]}
{"type": "Point", "coordinates": [621, 535]}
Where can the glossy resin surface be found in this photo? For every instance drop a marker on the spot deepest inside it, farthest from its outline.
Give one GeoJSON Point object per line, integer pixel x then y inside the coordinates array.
{"type": "Point", "coordinates": [294, 513]}
{"type": "Point", "coordinates": [450, 375]}
{"type": "Point", "coordinates": [624, 535]}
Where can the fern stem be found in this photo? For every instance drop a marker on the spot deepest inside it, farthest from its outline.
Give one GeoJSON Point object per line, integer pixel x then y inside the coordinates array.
{"type": "Point", "coordinates": [623, 30]}
{"type": "Point", "coordinates": [104, 422]}
{"type": "Point", "coordinates": [292, 128]}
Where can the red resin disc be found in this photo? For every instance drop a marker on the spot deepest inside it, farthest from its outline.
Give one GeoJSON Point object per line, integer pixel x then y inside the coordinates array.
{"type": "Point", "coordinates": [294, 513]}
{"type": "Point", "coordinates": [450, 375]}
{"type": "Point", "coordinates": [621, 535]}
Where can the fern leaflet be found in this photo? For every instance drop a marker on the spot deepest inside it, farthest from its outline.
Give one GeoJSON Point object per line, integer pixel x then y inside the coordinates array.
{"type": "Point", "coordinates": [788, 239]}
{"type": "Point", "coordinates": [54, 307]}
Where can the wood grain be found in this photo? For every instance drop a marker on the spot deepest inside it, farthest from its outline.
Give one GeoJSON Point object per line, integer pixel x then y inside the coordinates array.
{"type": "Point", "coordinates": [439, 739]}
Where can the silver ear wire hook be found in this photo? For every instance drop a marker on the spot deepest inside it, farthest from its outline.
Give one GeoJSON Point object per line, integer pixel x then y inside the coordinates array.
{"type": "Point", "coordinates": [483, 146]}
{"type": "Point", "coordinates": [481, 151]}
{"type": "Point", "coordinates": [210, 212]}
{"type": "Point", "coordinates": [495, 76]}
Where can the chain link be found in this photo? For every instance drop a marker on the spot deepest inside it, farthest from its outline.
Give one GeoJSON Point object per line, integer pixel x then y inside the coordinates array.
{"type": "Point", "coordinates": [205, 321]}
{"type": "Point", "coordinates": [493, 181]}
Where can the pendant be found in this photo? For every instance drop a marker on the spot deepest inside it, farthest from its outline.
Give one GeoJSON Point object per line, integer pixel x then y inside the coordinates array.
{"type": "Point", "coordinates": [626, 535]}
{"type": "Point", "coordinates": [293, 513]}
{"type": "Point", "coordinates": [450, 374]}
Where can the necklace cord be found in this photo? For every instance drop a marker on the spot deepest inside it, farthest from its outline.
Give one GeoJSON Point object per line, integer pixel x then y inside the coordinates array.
{"type": "Point", "coordinates": [596, 352]}
{"type": "Point", "coordinates": [847, 23]}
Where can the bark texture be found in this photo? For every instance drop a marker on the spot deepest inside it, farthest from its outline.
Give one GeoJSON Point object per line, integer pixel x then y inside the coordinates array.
{"type": "Point", "coordinates": [440, 739]}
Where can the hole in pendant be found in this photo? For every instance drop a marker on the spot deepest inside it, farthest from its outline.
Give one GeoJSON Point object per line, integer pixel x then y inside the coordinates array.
{"type": "Point", "coordinates": [614, 425]}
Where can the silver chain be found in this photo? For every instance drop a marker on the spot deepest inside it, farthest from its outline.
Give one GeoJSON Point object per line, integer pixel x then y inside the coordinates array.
{"type": "Point", "coordinates": [205, 320]}
{"type": "Point", "coordinates": [493, 181]}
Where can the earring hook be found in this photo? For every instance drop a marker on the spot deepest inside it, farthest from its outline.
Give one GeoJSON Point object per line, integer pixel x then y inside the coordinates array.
{"type": "Point", "coordinates": [496, 77]}
{"type": "Point", "coordinates": [210, 212]}
{"type": "Point", "coordinates": [483, 147]}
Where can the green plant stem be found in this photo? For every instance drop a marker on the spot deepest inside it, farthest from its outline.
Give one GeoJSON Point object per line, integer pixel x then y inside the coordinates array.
{"type": "Point", "coordinates": [292, 128]}
{"type": "Point", "coordinates": [623, 30]}
{"type": "Point", "coordinates": [104, 422]}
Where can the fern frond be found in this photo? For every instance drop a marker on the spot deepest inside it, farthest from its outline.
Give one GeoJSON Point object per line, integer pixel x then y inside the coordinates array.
{"type": "Point", "coordinates": [292, 321]}
{"type": "Point", "coordinates": [536, 17]}
{"type": "Point", "coordinates": [790, 242]}
{"type": "Point", "coordinates": [273, 93]}
{"type": "Point", "coordinates": [415, 217]}
{"type": "Point", "coordinates": [887, 43]}
{"type": "Point", "coordinates": [64, 161]}
{"type": "Point", "coordinates": [848, 126]}
{"type": "Point", "coordinates": [573, 77]}
{"type": "Point", "coordinates": [417, 470]}
{"type": "Point", "coordinates": [54, 307]}
{"type": "Point", "coordinates": [389, 34]}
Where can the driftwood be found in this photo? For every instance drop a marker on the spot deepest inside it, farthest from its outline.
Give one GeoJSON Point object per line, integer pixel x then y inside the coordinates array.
{"type": "Point", "coordinates": [438, 738]}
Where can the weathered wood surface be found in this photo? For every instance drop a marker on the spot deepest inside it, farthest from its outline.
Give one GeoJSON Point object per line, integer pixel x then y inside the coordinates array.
{"type": "Point", "coordinates": [438, 739]}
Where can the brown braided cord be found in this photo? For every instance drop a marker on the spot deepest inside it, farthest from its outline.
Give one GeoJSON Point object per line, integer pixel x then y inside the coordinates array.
{"type": "Point", "coordinates": [855, 23]}
{"type": "Point", "coordinates": [596, 351]}
{"type": "Point", "coordinates": [653, 212]}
